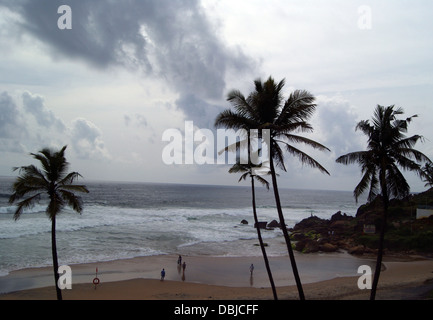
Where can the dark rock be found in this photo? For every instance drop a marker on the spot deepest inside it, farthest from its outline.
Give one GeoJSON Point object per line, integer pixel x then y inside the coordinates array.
{"type": "Point", "coordinates": [328, 247]}
{"type": "Point", "coordinates": [244, 222]}
{"type": "Point", "coordinates": [260, 225]}
{"type": "Point", "coordinates": [273, 224]}
{"type": "Point", "coordinates": [357, 250]}
{"type": "Point", "coordinates": [298, 236]}
{"type": "Point", "coordinates": [307, 246]}
{"type": "Point", "coordinates": [340, 217]}
{"type": "Point", "coordinates": [311, 223]}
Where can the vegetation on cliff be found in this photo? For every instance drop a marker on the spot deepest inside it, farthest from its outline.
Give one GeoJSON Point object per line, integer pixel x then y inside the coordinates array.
{"type": "Point", "coordinates": [404, 233]}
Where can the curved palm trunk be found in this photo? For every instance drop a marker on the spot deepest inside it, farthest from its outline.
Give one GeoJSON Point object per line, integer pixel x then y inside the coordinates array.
{"type": "Point", "coordinates": [285, 233]}
{"type": "Point", "coordinates": [262, 246]}
{"type": "Point", "coordinates": [55, 261]}
{"type": "Point", "coordinates": [381, 242]}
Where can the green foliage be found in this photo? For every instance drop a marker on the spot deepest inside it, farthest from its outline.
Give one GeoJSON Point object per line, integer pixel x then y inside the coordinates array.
{"type": "Point", "coordinates": [313, 235]}
{"type": "Point", "coordinates": [400, 239]}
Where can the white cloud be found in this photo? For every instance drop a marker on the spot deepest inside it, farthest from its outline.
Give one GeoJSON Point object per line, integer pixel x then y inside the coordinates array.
{"type": "Point", "coordinates": [86, 139]}
{"type": "Point", "coordinates": [34, 105]}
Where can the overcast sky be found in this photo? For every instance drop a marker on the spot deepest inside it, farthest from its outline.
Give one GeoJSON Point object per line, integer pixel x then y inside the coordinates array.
{"type": "Point", "coordinates": [128, 71]}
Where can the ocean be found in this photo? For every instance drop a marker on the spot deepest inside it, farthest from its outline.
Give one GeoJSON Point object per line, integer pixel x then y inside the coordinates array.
{"type": "Point", "coordinates": [124, 220]}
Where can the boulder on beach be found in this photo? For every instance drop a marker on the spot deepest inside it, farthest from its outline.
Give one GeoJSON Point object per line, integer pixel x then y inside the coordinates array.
{"type": "Point", "coordinates": [307, 246]}
{"type": "Point", "coordinates": [260, 225]}
{"type": "Point", "coordinates": [273, 224]}
{"type": "Point", "coordinates": [328, 247]}
{"type": "Point", "coordinates": [357, 250]}
{"type": "Point", "coordinates": [244, 221]}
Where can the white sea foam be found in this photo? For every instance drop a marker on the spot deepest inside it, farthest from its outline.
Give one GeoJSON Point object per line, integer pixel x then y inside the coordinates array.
{"type": "Point", "coordinates": [137, 220]}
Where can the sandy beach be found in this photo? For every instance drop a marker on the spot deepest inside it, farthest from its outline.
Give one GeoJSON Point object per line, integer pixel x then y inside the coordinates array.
{"type": "Point", "coordinates": [222, 278]}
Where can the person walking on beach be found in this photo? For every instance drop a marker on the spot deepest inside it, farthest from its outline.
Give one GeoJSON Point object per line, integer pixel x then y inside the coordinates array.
{"type": "Point", "coordinates": [251, 269]}
{"type": "Point", "coordinates": [162, 274]}
{"type": "Point", "coordinates": [179, 260]}
{"type": "Point", "coordinates": [184, 266]}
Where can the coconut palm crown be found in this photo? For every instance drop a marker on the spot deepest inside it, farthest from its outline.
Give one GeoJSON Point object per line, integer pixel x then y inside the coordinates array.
{"type": "Point", "coordinates": [388, 148]}
{"type": "Point", "coordinates": [51, 183]}
{"type": "Point", "coordinates": [265, 108]}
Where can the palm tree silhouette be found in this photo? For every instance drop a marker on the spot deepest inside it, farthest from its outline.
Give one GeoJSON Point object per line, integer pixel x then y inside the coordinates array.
{"type": "Point", "coordinates": [247, 170]}
{"type": "Point", "coordinates": [52, 181]}
{"type": "Point", "coordinates": [428, 172]}
{"type": "Point", "coordinates": [388, 148]}
{"type": "Point", "coordinates": [265, 108]}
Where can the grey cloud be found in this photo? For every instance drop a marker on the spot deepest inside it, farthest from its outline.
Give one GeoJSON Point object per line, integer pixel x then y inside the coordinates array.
{"type": "Point", "coordinates": [198, 110]}
{"type": "Point", "coordinates": [136, 119]}
{"type": "Point", "coordinates": [9, 116]}
{"type": "Point", "coordinates": [337, 122]}
{"type": "Point", "coordinates": [12, 126]}
{"type": "Point", "coordinates": [19, 133]}
{"type": "Point", "coordinates": [34, 104]}
{"type": "Point", "coordinates": [86, 139]}
{"type": "Point", "coordinates": [168, 39]}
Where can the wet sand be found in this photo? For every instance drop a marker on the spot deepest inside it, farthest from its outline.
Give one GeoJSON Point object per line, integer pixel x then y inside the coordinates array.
{"type": "Point", "coordinates": [328, 276]}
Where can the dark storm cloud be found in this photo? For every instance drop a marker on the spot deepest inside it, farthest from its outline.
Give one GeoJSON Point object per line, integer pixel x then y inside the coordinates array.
{"type": "Point", "coordinates": [168, 39]}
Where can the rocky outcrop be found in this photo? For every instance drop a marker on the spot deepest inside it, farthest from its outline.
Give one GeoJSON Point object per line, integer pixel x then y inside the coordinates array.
{"type": "Point", "coordinates": [359, 235]}
{"type": "Point", "coordinates": [273, 224]}
{"type": "Point", "coordinates": [314, 234]}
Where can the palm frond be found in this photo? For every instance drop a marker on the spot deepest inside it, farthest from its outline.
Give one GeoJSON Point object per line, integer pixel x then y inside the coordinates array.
{"type": "Point", "coordinates": [396, 182]}
{"type": "Point", "coordinates": [299, 106]}
{"type": "Point", "coordinates": [304, 158]}
{"type": "Point", "coordinates": [69, 178]}
{"type": "Point", "coordinates": [24, 204]}
{"type": "Point", "coordinates": [353, 157]}
{"type": "Point", "coordinates": [232, 120]}
{"type": "Point", "coordinates": [241, 104]}
{"type": "Point", "coordinates": [72, 200]}
{"type": "Point", "coordinates": [263, 181]}
{"type": "Point", "coordinates": [277, 155]}
{"type": "Point", "coordinates": [74, 187]}
{"type": "Point", "coordinates": [309, 142]}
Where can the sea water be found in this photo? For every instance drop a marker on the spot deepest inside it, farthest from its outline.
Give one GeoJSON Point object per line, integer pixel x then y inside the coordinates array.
{"type": "Point", "coordinates": [126, 220]}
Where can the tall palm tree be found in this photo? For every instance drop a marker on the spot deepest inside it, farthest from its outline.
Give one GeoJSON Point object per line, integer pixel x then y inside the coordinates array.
{"type": "Point", "coordinates": [265, 108]}
{"type": "Point", "coordinates": [54, 182]}
{"type": "Point", "coordinates": [247, 170]}
{"type": "Point", "coordinates": [388, 148]}
{"type": "Point", "coordinates": [428, 172]}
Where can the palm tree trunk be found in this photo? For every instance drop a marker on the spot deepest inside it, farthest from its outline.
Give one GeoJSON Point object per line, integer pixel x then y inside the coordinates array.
{"type": "Point", "coordinates": [262, 246]}
{"type": "Point", "coordinates": [285, 233]}
{"type": "Point", "coordinates": [382, 234]}
{"type": "Point", "coordinates": [381, 244]}
{"type": "Point", "coordinates": [54, 254]}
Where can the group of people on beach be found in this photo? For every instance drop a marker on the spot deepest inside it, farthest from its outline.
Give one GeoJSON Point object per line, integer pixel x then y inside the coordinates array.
{"type": "Point", "coordinates": [179, 264]}
{"type": "Point", "coordinates": [183, 265]}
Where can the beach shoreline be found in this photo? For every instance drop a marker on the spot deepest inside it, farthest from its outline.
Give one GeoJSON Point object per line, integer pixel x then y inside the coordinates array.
{"type": "Point", "coordinates": [226, 278]}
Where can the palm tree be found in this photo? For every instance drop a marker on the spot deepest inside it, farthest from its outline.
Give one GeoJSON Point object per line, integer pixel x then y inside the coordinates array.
{"type": "Point", "coordinates": [265, 108]}
{"type": "Point", "coordinates": [52, 181]}
{"type": "Point", "coordinates": [388, 148]}
{"type": "Point", "coordinates": [428, 172]}
{"type": "Point", "coordinates": [248, 170]}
